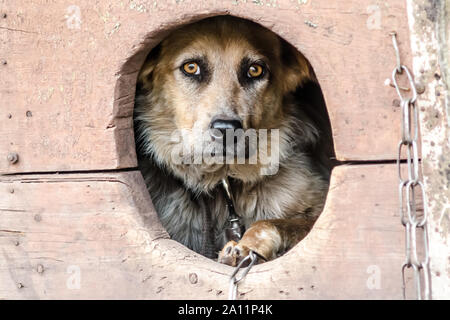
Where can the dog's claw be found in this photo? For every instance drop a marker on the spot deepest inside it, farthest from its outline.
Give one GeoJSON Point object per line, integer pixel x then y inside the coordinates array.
{"type": "Point", "coordinates": [233, 253]}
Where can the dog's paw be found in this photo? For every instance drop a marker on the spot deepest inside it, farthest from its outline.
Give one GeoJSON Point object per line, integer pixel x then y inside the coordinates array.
{"type": "Point", "coordinates": [233, 253]}
{"type": "Point", "coordinates": [262, 238]}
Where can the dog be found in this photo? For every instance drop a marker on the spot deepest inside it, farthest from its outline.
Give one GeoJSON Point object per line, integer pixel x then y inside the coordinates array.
{"type": "Point", "coordinates": [229, 73]}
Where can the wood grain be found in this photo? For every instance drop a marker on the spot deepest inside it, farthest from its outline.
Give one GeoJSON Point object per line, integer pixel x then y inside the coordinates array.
{"type": "Point", "coordinates": [67, 93]}
{"type": "Point", "coordinates": [104, 226]}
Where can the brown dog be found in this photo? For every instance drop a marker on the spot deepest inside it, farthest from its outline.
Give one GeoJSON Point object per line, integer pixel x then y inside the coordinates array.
{"type": "Point", "coordinates": [228, 73]}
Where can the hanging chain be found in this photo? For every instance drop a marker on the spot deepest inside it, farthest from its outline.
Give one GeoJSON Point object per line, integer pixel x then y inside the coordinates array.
{"type": "Point", "coordinates": [234, 279]}
{"type": "Point", "coordinates": [234, 232]}
{"type": "Point", "coordinates": [411, 186]}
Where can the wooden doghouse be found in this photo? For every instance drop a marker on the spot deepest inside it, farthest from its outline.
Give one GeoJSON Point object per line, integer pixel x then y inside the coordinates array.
{"type": "Point", "coordinates": [76, 220]}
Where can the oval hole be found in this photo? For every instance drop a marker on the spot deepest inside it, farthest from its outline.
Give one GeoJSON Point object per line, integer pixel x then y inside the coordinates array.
{"type": "Point", "coordinates": [227, 70]}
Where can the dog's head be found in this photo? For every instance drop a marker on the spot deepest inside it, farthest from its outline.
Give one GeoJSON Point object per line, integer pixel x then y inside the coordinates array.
{"type": "Point", "coordinates": [217, 74]}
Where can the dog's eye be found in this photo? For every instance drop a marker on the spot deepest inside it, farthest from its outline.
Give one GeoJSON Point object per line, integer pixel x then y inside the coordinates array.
{"type": "Point", "coordinates": [255, 71]}
{"type": "Point", "coordinates": [191, 68]}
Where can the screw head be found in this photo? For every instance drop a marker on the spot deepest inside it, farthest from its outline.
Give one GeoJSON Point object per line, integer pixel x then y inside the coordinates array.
{"type": "Point", "coordinates": [13, 157]}
{"type": "Point", "coordinates": [40, 268]}
{"type": "Point", "coordinates": [420, 88]}
{"type": "Point", "coordinates": [193, 278]}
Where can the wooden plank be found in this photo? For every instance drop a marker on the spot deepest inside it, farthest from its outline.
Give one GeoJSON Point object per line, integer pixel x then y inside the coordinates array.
{"type": "Point", "coordinates": [68, 223]}
{"type": "Point", "coordinates": [103, 228]}
{"type": "Point", "coordinates": [67, 87]}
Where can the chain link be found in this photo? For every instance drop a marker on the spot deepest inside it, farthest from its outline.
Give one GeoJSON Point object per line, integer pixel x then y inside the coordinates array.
{"type": "Point", "coordinates": [411, 186]}
{"type": "Point", "coordinates": [234, 279]}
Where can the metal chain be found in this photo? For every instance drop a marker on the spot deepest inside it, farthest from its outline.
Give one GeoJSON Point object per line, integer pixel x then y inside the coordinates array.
{"type": "Point", "coordinates": [234, 279]}
{"type": "Point", "coordinates": [234, 232]}
{"type": "Point", "coordinates": [411, 186]}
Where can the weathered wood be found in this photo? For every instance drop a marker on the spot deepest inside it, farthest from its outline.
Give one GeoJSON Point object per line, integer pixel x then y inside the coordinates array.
{"type": "Point", "coordinates": [67, 94]}
{"type": "Point", "coordinates": [67, 87]}
{"type": "Point", "coordinates": [430, 42]}
{"type": "Point", "coordinates": [103, 226]}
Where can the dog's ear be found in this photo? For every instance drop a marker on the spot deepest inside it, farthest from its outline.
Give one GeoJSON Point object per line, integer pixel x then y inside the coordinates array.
{"type": "Point", "coordinates": [144, 81]}
{"type": "Point", "coordinates": [297, 69]}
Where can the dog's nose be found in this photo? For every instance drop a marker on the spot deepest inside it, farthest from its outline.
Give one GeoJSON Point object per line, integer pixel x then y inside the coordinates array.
{"type": "Point", "coordinates": [222, 125]}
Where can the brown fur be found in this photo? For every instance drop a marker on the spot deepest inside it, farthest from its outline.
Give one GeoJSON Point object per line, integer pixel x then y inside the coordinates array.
{"type": "Point", "coordinates": [280, 209]}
